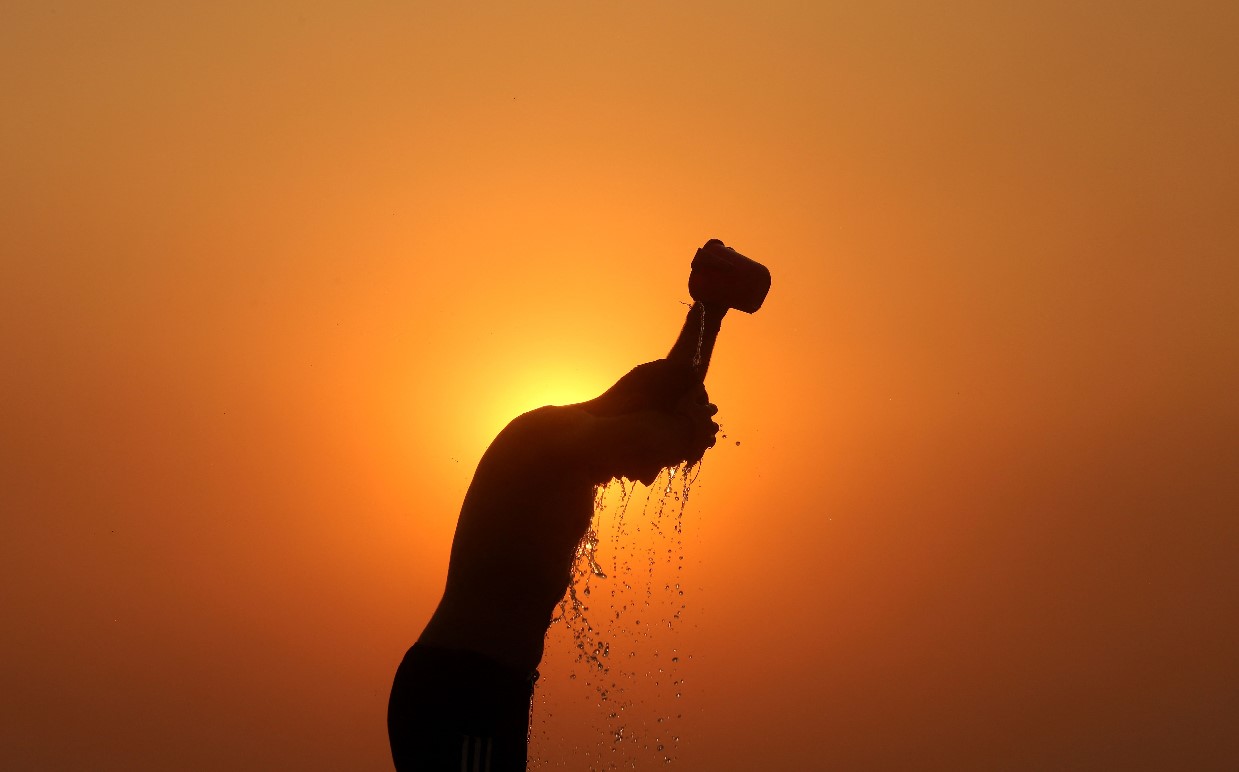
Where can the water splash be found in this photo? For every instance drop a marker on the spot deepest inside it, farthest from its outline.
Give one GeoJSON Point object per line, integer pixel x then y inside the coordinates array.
{"type": "Point", "coordinates": [701, 337]}
{"type": "Point", "coordinates": [635, 617]}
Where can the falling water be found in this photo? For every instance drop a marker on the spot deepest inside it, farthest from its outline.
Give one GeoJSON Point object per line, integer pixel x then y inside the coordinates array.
{"type": "Point", "coordinates": [622, 620]}
{"type": "Point", "coordinates": [629, 735]}
{"type": "Point", "coordinates": [701, 336]}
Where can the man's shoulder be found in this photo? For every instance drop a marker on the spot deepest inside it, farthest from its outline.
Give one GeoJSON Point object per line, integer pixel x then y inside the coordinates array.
{"type": "Point", "coordinates": [546, 428]}
{"type": "Point", "coordinates": [551, 440]}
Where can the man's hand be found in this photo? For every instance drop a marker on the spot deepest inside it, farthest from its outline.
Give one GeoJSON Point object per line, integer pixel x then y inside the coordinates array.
{"type": "Point", "coordinates": [658, 415]}
{"type": "Point", "coordinates": [699, 410]}
{"type": "Point", "coordinates": [645, 442]}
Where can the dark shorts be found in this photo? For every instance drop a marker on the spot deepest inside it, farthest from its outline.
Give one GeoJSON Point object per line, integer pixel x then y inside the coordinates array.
{"type": "Point", "coordinates": [455, 710]}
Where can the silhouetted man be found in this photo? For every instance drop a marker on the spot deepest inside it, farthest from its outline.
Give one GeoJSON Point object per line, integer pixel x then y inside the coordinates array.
{"type": "Point", "coordinates": [463, 693]}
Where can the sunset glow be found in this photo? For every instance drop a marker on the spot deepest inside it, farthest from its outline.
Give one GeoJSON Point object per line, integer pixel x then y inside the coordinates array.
{"type": "Point", "coordinates": [273, 275]}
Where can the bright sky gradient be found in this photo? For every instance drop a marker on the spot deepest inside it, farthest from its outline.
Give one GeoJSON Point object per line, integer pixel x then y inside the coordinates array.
{"type": "Point", "coordinates": [273, 274]}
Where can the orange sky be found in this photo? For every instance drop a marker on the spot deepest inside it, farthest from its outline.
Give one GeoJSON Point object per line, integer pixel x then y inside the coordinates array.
{"type": "Point", "coordinates": [271, 278]}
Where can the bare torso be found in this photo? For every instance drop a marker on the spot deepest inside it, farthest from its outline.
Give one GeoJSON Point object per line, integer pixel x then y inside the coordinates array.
{"type": "Point", "coordinates": [532, 499]}
{"type": "Point", "coordinates": [515, 542]}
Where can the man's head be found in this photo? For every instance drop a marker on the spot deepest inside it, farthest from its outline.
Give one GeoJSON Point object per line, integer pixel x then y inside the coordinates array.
{"type": "Point", "coordinates": [656, 385]}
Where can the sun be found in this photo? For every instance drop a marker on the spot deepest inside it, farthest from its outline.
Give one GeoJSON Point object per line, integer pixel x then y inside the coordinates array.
{"type": "Point", "coordinates": [533, 385]}
{"type": "Point", "coordinates": [563, 384]}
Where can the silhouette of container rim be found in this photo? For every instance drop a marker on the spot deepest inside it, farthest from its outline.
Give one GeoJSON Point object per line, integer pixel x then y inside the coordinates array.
{"type": "Point", "coordinates": [721, 275]}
